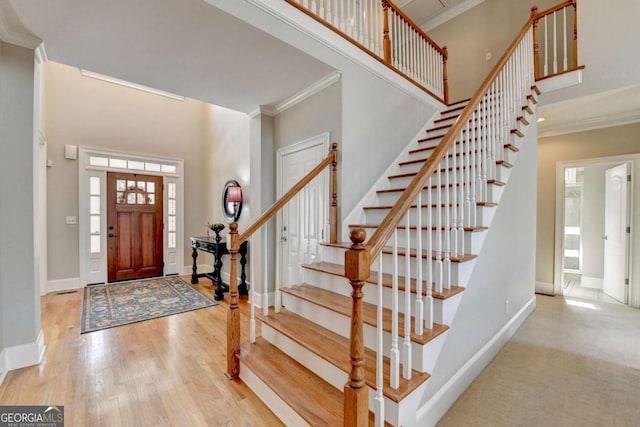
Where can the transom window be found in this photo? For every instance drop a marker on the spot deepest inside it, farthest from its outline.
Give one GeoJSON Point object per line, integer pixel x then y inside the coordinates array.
{"type": "Point", "coordinates": [135, 192]}
{"type": "Point", "coordinates": [137, 165]}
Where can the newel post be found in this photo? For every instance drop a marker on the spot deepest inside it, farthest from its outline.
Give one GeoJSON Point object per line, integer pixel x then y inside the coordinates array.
{"type": "Point", "coordinates": [233, 313]}
{"type": "Point", "coordinates": [333, 220]}
{"type": "Point", "coordinates": [386, 45]}
{"type": "Point", "coordinates": [445, 77]}
{"type": "Point", "coordinates": [357, 268]}
{"type": "Point", "coordinates": [536, 45]}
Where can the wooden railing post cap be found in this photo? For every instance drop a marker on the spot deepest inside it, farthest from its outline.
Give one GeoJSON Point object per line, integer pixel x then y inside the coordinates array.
{"type": "Point", "coordinates": [357, 260]}
{"type": "Point", "coordinates": [534, 11]}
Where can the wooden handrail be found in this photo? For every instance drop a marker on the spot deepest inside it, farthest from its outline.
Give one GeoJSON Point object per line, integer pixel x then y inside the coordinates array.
{"type": "Point", "coordinates": [384, 232]}
{"type": "Point", "coordinates": [413, 25]}
{"type": "Point", "coordinates": [331, 159]}
{"type": "Point", "coordinates": [556, 8]}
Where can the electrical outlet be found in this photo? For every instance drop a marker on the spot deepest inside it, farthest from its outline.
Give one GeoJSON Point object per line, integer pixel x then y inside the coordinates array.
{"type": "Point", "coordinates": [487, 56]}
{"type": "Point", "coordinates": [71, 220]}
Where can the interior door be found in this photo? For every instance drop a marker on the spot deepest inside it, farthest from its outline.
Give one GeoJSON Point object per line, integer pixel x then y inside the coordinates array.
{"type": "Point", "coordinates": [615, 245]}
{"type": "Point", "coordinates": [134, 226]}
{"type": "Point", "coordinates": [303, 218]}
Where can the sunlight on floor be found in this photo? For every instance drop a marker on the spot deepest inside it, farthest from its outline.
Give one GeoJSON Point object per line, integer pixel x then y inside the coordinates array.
{"type": "Point", "coordinates": [580, 304]}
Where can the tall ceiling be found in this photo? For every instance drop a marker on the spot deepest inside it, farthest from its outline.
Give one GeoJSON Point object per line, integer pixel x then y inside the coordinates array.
{"type": "Point", "coordinates": [186, 47]}
{"type": "Point", "coordinates": [426, 11]}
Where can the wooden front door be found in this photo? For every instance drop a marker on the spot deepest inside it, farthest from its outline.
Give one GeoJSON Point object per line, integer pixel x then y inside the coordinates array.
{"type": "Point", "coordinates": [134, 226]}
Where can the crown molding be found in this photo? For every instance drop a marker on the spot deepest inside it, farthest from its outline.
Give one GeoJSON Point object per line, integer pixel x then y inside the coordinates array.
{"type": "Point", "coordinates": [308, 92]}
{"type": "Point", "coordinates": [592, 123]}
{"type": "Point", "coordinates": [314, 88]}
{"type": "Point", "coordinates": [41, 54]}
{"type": "Point", "coordinates": [9, 35]}
{"type": "Point", "coordinates": [450, 14]}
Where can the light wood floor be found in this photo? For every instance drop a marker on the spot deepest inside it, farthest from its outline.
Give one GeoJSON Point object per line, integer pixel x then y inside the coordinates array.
{"type": "Point", "coordinates": [162, 372]}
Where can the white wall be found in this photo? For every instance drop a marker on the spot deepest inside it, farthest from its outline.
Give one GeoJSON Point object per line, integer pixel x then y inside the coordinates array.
{"type": "Point", "coordinates": [614, 141]}
{"type": "Point", "coordinates": [20, 302]}
{"type": "Point", "coordinates": [505, 270]}
{"type": "Point", "coordinates": [607, 43]}
{"type": "Point", "coordinates": [88, 112]}
{"type": "Point", "coordinates": [593, 222]}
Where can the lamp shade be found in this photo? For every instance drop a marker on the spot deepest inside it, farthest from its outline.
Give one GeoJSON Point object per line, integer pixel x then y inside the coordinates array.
{"type": "Point", "coordinates": [234, 194]}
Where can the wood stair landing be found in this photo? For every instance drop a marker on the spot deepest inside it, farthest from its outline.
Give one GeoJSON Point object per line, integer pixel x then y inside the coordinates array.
{"type": "Point", "coordinates": [343, 305]}
{"type": "Point", "coordinates": [334, 349]}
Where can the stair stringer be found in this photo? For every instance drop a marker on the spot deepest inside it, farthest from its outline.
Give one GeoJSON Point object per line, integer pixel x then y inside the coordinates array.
{"type": "Point", "coordinates": [499, 294]}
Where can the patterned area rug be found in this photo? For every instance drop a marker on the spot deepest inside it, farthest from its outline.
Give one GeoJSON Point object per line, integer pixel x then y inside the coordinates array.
{"type": "Point", "coordinates": [106, 306]}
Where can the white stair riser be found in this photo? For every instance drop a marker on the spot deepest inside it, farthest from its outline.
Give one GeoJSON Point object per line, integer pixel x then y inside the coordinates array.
{"type": "Point", "coordinates": [390, 198]}
{"type": "Point", "coordinates": [483, 214]}
{"type": "Point", "coordinates": [472, 243]}
{"type": "Point", "coordinates": [500, 173]}
{"type": "Point", "coordinates": [341, 324]}
{"type": "Point", "coordinates": [459, 270]}
{"type": "Point", "coordinates": [331, 374]}
{"type": "Point", "coordinates": [442, 309]}
{"type": "Point", "coordinates": [506, 154]}
{"type": "Point", "coordinates": [278, 406]}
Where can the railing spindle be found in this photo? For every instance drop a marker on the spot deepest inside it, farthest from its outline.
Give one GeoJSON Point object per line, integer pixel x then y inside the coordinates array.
{"type": "Point", "coordinates": [406, 345]}
{"type": "Point", "coordinates": [252, 297]}
{"type": "Point", "coordinates": [419, 309]}
{"type": "Point", "coordinates": [265, 275]}
{"type": "Point", "coordinates": [380, 351]}
{"type": "Point", "coordinates": [446, 264]}
{"type": "Point", "coordinates": [429, 257]}
{"type": "Point", "coordinates": [394, 353]}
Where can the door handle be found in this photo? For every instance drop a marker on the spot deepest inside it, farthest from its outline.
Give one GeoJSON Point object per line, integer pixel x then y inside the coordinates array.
{"type": "Point", "coordinates": [112, 235]}
{"type": "Point", "coordinates": [283, 238]}
{"type": "Point", "coordinates": [604, 237]}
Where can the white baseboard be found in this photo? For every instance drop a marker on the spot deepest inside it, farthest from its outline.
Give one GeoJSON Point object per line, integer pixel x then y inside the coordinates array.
{"type": "Point", "coordinates": [3, 366]}
{"type": "Point", "coordinates": [544, 288]}
{"type": "Point", "coordinates": [21, 356]}
{"type": "Point", "coordinates": [63, 284]}
{"type": "Point", "coordinates": [592, 282]}
{"type": "Point", "coordinates": [440, 403]}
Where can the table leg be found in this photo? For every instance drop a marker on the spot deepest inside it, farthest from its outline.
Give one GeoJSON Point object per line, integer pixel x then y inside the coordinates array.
{"type": "Point", "coordinates": [194, 269]}
{"type": "Point", "coordinates": [243, 288]}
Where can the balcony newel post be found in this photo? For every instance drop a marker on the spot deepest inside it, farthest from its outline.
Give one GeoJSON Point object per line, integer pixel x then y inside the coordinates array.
{"type": "Point", "coordinates": [233, 313]}
{"type": "Point", "coordinates": [536, 45]}
{"type": "Point", "coordinates": [333, 220]}
{"type": "Point", "coordinates": [356, 393]}
{"type": "Point", "coordinates": [445, 77]}
{"type": "Point", "coordinates": [386, 39]}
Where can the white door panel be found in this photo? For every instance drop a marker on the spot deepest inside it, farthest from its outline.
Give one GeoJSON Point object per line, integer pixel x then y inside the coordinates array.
{"type": "Point", "coordinates": [615, 233]}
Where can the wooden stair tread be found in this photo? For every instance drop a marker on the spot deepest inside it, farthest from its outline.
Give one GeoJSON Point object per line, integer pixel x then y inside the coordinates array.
{"type": "Point", "coordinates": [343, 305]}
{"type": "Point", "coordinates": [399, 190]}
{"type": "Point", "coordinates": [334, 349]}
{"type": "Point", "coordinates": [433, 147]}
{"type": "Point", "coordinates": [413, 253]}
{"type": "Point", "coordinates": [424, 228]}
{"type": "Point", "coordinates": [338, 270]}
{"type": "Point", "coordinates": [315, 400]}
{"type": "Point", "coordinates": [442, 205]}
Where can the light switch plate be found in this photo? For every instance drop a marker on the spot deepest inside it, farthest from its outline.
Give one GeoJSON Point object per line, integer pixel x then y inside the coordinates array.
{"type": "Point", "coordinates": [71, 220]}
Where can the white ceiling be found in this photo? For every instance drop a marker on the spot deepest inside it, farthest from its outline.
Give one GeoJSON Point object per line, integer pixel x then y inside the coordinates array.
{"type": "Point", "coordinates": [186, 47]}
{"type": "Point", "coordinates": [429, 13]}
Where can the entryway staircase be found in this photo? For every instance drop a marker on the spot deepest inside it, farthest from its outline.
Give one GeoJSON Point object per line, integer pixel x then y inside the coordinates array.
{"type": "Point", "coordinates": [300, 364]}
{"type": "Point", "coordinates": [363, 334]}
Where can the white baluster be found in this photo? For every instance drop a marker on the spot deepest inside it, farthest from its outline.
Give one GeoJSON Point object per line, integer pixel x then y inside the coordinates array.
{"type": "Point", "coordinates": [545, 46]}
{"type": "Point", "coordinates": [252, 297]}
{"type": "Point", "coordinates": [483, 151]}
{"type": "Point", "coordinates": [429, 258]}
{"type": "Point", "coordinates": [468, 177]}
{"type": "Point", "coordinates": [395, 53]}
{"type": "Point", "coordinates": [305, 3]}
{"type": "Point", "coordinates": [454, 197]}
{"type": "Point", "coordinates": [419, 309]}
{"type": "Point", "coordinates": [360, 20]}
{"type": "Point", "coordinates": [474, 167]}
{"type": "Point", "coordinates": [394, 353]}
{"type": "Point", "coordinates": [461, 200]}
{"type": "Point", "coordinates": [406, 345]}
{"type": "Point", "coordinates": [330, 17]}
{"type": "Point", "coordinates": [379, 351]}
{"type": "Point", "coordinates": [439, 274]}
{"type": "Point", "coordinates": [555, 44]}
{"type": "Point", "coordinates": [265, 277]}
{"type": "Point", "coordinates": [446, 264]}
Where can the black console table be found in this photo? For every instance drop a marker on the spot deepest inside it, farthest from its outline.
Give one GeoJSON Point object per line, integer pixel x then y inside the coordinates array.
{"type": "Point", "coordinates": [218, 247]}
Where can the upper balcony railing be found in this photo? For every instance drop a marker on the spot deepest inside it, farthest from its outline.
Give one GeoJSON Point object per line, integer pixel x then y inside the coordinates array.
{"type": "Point", "coordinates": [382, 30]}
{"type": "Point", "coordinates": [555, 45]}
